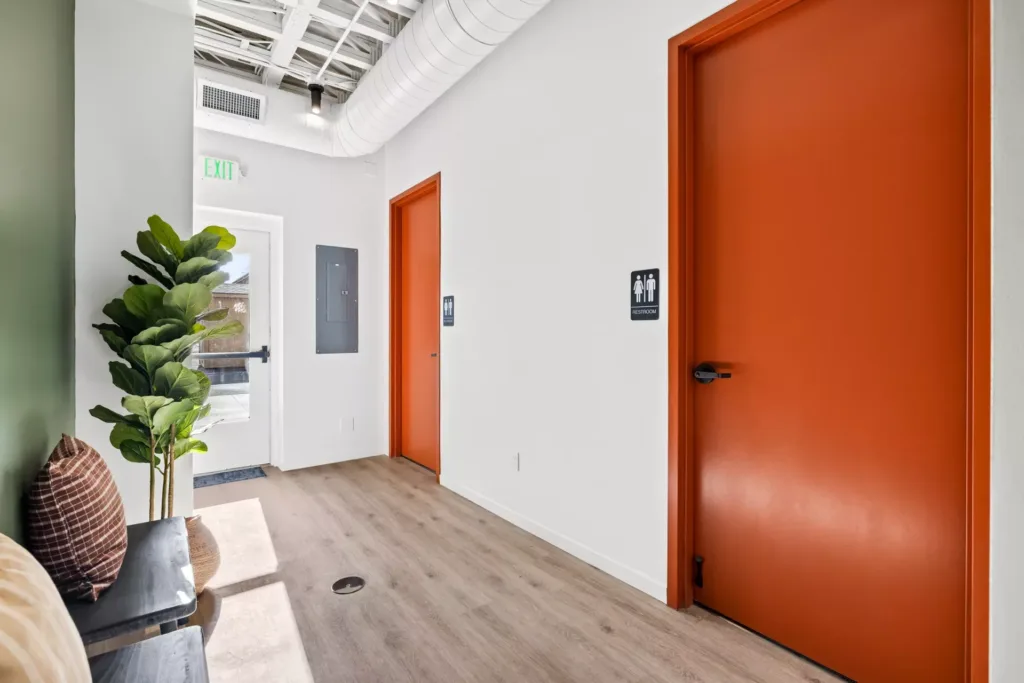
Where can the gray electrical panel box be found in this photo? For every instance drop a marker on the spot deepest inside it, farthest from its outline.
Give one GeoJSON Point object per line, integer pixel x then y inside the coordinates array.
{"type": "Point", "coordinates": [337, 300]}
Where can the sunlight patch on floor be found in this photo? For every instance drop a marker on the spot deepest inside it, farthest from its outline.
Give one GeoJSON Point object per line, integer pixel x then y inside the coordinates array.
{"type": "Point", "coordinates": [246, 614]}
{"type": "Point", "coordinates": [246, 550]}
{"type": "Point", "coordinates": [256, 639]}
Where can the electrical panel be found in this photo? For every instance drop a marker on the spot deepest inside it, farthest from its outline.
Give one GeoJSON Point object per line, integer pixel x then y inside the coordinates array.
{"type": "Point", "coordinates": [337, 300]}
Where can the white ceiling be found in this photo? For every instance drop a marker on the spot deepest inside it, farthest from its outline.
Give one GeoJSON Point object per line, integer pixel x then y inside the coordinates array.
{"type": "Point", "coordinates": [286, 43]}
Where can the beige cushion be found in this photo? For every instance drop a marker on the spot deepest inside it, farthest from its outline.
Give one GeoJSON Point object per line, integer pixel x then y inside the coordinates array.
{"type": "Point", "coordinates": [38, 641]}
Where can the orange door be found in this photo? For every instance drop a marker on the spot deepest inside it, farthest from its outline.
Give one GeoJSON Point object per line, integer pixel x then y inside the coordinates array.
{"type": "Point", "coordinates": [831, 280]}
{"type": "Point", "coordinates": [419, 234]}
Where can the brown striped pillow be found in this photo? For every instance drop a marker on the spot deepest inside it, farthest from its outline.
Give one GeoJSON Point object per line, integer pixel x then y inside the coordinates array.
{"type": "Point", "coordinates": [76, 526]}
{"type": "Point", "coordinates": [38, 641]}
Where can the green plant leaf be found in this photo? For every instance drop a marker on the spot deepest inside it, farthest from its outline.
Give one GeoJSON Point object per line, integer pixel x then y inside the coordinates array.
{"type": "Point", "coordinates": [182, 347]}
{"type": "Point", "coordinates": [152, 249]}
{"type": "Point", "coordinates": [187, 423]}
{"type": "Point", "coordinates": [109, 416]}
{"type": "Point", "coordinates": [213, 316]}
{"type": "Point", "coordinates": [117, 311]}
{"type": "Point", "coordinates": [147, 358]}
{"type": "Point", "coordinates": [183, 429]}
{"type": "Point", "coordinates": [176, 381]}
{"type": "Point", "coordinates": [186, 446]}
{"type": "Point", "coordinates": [148, 268]}
{"type": "Point", "coordinates": [200, 244]}
{"type": "Point", "coordinates": [143, 301]}
{"type": "Point", "coordinates": [204, 391]}
{"type": "Point", "coordinates": [128, 379]}
{"type": "Point", "coordinates": [166, 236]}
{"type": "Point", "coordinates": [136, 280]}
{"type": "Point", "coordinates": [201, 391]}
{"type": "Point", "coordinates": [214, 280]}
{"type": "Point", "coordinates": [114, 340]}
{"type": "Point", "coordinates": [220, 256]}
{"type": "Point", "coordinates": [171, 414]}
{"type": "Point", "coordinates": [195, 268]}
{"type": "Point", "coordinates": [227, 240]}
{"type": "Point", "coordinates": [167, 329]}
{"type": "Point", "coordinates": [127, 432]}
{"type": "Point", "coordinates": [116, 329]}
{"type": "Point", "coordinates": [164, 315]}
{"type": "Point", "coordinates": [187, 301]}
{"type": "Point", "coordinates": [133, 451]}
{"type": "Point", "coordinates": [145, 407]}
{"type": "Point", "coordinates": [228, 329]}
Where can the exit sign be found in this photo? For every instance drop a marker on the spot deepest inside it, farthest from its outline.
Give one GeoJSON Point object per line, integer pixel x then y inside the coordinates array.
{"type": "Point", "coordinates": [212, 168]}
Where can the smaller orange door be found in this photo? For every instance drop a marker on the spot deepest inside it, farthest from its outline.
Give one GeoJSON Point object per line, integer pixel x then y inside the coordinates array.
{"type": "Point", "coordinates": [419, 263]}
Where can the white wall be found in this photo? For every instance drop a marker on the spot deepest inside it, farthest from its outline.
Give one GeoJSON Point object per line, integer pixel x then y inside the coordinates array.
{"type": "Point", "coordinates": [288, 120]}
{"type": "Point", "coordinates": [336, 202]}
{"type": "Point", "coordinates": [1007, 598]}
{"type": "Point", "coordinates": [133, 158]}
{"type": "Point", "coordinates": [554, 187]}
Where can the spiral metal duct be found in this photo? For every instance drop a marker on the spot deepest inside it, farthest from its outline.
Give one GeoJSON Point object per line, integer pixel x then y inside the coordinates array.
{"type": "Point", "coordinates": [440, 45]}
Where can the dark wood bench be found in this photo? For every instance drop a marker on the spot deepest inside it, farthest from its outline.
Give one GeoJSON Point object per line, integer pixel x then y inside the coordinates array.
{"type": "Point", "coordinates": [176, 657]}
{"type": "Point", "coordinates": [154, 588]}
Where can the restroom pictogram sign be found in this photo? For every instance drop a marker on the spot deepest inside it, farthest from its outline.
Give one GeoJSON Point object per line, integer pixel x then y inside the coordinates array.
{"type": "Point", "coordinates": [448, 311]}
{"type": "Point", "coordinates": [644, 294]}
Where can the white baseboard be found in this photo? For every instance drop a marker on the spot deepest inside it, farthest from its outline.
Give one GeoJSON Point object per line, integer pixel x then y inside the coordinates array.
{"type": "Point", "coordinates": [329, 459]}
{"type": "Point", "coordinates": [638, 580]}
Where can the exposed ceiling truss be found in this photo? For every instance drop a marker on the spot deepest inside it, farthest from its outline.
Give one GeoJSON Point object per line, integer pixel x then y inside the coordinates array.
{"type": "Point", "coordinates": [289, 44]}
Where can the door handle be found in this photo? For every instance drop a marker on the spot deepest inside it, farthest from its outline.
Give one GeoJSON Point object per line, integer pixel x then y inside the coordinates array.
{"type": "Point", "coordinates": [263, 354]}
{"type": "Point", "coordinates": [433, 355]}
{"type": "Point", "coordinates": [705, 373]}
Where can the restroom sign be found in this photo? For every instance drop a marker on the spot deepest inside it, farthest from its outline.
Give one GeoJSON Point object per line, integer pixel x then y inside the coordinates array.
{"type": "Point", "coordinates": [644, 294]}
{"type": "Point", "coordinates": [448, 311]}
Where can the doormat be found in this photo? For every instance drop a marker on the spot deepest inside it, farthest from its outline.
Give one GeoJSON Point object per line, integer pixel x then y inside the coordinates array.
{"type": "Point", "coordinates": [204, 480]}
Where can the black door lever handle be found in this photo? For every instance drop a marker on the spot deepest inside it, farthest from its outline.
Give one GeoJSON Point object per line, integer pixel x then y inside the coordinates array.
{"type": "Point", "coordinates": [705, 373]}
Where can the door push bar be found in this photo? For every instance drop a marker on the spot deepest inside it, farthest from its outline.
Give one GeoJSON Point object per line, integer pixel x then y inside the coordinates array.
{"type": "Point", "coordinates": [263, 354]}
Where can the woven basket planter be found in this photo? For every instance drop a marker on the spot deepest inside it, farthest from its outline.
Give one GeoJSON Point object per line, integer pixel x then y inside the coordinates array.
{"type": "Point", "coordinates": [204, 550]}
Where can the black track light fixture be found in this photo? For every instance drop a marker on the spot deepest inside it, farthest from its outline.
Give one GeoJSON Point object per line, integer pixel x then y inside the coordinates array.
{"type": "Point", "coordinates": [316, 92]}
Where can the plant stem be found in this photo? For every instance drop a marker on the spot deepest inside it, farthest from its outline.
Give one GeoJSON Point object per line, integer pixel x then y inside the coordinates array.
{"type": "Point", "coordinates": [163, 501]}
{"type": "Point", "coordinates": [170, 464]}
{"type": "Point", "coordinates": [152, 478]}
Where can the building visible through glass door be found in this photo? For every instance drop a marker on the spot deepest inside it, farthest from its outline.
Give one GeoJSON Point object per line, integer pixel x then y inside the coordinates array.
{"type": "Point", "coordinates": [238, 367]}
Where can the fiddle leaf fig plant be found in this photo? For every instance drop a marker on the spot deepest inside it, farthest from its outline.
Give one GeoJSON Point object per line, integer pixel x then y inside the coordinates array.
{"type": "Point", "coordinates": [152, 329]}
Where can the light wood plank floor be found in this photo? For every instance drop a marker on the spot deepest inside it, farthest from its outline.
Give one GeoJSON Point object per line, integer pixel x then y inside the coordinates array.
{"type": "Point", "coordinates": [453, 593]}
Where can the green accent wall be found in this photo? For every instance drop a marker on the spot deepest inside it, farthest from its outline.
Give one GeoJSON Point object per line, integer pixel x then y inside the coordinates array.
{"type": "Point", "coordinates": [37, 242]}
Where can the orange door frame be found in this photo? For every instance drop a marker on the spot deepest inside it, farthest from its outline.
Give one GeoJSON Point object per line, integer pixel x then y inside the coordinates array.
{"type": "Point", "coordinates": [726, 23]}
{"type": "Point", "coordinates": [431, 184]}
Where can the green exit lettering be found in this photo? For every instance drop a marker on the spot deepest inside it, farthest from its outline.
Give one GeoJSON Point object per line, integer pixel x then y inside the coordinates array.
{"type": "Point", "coordinates": [220, 169]}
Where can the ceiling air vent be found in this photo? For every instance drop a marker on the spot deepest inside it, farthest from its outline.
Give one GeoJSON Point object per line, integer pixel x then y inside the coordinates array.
{"type": "Point", "coordinates": [224, 99]}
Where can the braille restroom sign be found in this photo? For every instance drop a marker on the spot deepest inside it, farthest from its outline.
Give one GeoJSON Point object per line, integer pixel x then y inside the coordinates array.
{"type": "Point", "coordinates": [448, 311]}
{"type": "Point", "coordinates": [644, 294]}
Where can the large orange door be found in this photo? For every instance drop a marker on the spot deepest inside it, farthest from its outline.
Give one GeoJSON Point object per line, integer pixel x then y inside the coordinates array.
{"type": "Point", "coordinates": [419, 260]}
{"type": "Point", "coordinates": [831, 280]}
